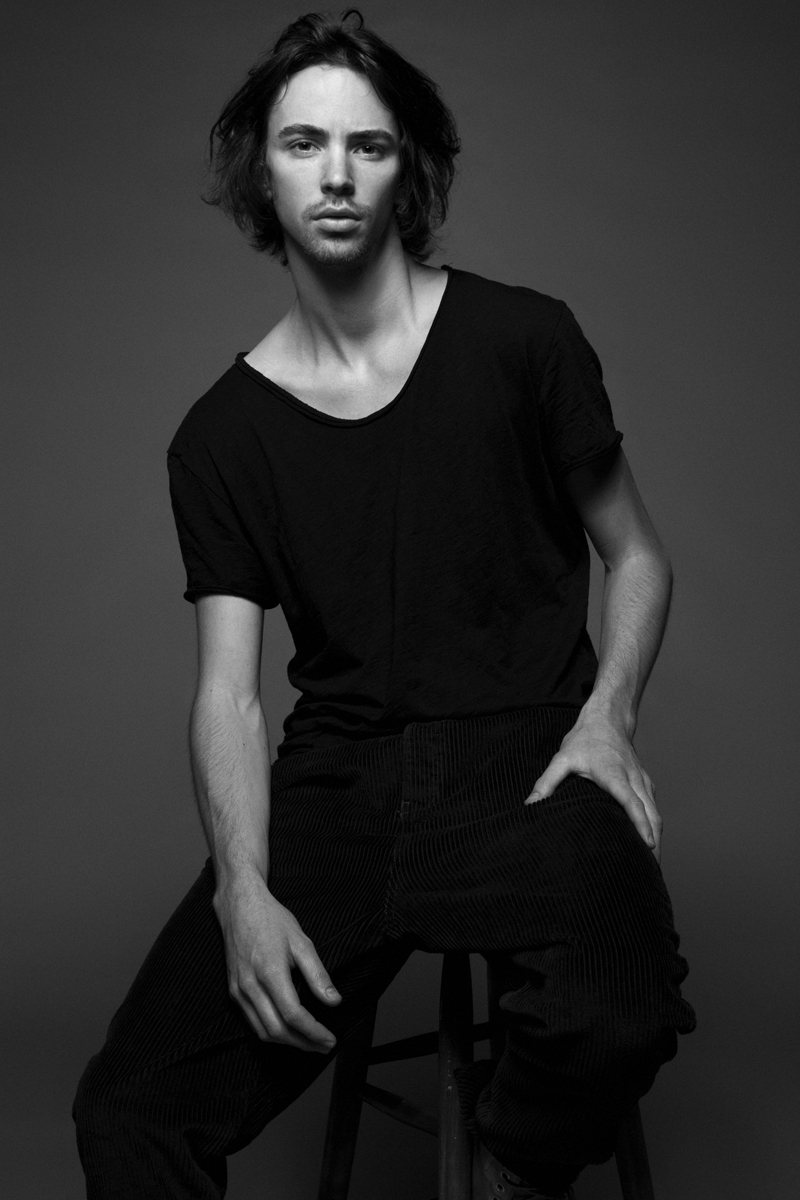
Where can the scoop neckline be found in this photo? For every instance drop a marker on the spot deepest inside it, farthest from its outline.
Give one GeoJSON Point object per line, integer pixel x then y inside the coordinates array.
{"type": "Point", "coordinates": [317, 414]}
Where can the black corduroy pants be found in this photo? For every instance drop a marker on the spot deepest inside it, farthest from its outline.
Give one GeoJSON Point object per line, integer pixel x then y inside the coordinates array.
{"type": "Point", "coordinates": [381, 846]}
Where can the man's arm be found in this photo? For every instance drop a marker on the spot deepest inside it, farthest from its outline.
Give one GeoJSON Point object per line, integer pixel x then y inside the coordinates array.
{"type": "Point", "coordinates": [231, 769]}
{"type": "Point", "coordinates": [636, 597]}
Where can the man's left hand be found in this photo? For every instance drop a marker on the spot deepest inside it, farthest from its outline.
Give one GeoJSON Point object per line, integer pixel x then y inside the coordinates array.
{"type": "Point", "coordinates": [596, 749]}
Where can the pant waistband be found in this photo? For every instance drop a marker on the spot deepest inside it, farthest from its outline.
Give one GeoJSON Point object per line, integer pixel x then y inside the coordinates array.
{"type": "Point", "coordinates": [450, 740]}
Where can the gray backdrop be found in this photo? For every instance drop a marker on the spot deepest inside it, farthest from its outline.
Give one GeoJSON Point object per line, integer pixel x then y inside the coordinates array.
{"type": "Point", "coordinates": [635, 158]}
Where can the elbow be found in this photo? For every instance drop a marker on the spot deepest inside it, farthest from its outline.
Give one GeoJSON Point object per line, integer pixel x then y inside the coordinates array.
{"type": "Point", "coordinates": [646, 568]}
{"type": "Point", "coordinates": [216, 700]}
{"type": "Point", "coordinates": [662, 562]}
{"type": "Point", "coordinates": [647, 556]}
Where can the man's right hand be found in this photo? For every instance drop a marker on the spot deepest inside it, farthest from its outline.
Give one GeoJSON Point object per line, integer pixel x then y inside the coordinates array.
{"type": "Point", "coordinates": [263, 942]}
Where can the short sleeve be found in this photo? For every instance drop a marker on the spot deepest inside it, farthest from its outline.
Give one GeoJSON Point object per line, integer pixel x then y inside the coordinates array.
{"type": "Point", "coordinates": [217, 554]}
{"type": "Point", "coordinates": [577, 421]}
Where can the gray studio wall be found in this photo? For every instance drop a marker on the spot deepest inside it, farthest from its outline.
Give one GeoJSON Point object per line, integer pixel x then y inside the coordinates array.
{"type": "Point", "coordinates": [633, 158]}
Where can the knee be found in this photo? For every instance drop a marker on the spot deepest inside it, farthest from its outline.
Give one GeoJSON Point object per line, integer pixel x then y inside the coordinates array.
{"type": "Point", "coordinates": [635, 1045]}
{"type": "Point", "coordinates": [87, 1093]}
{"type": "Point", "coordinates": [100, 1100]}
{"type": "Point", "coordinates": [123, 1140]}
{"type": "Point", "coordinates": [91, 1113]}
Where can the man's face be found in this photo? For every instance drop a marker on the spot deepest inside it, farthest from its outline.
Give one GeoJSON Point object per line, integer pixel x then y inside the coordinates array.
{"type": "Point", "coordinates": [333, 161]}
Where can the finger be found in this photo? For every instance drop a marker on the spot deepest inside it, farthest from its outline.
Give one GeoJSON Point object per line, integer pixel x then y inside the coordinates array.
{"type": "Point", "coordinates": [635, 807]}
{"type": "Point", "coordinates": [642, 784]}
{"type": "Point", "coordinates": [315, 975]}
{"type": "Point", "coordinates": [656, 823]}
{"type": "Point", "coordinates": [555, 773]}
{"type": "Point", "coordinates": [270, 1026]}
{"type": "Point", "coordinates": [282, 992]}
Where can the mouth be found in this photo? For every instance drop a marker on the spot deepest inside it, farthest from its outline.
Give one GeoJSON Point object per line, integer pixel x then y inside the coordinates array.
{"type": "Point", "coordinates": [337, 214]}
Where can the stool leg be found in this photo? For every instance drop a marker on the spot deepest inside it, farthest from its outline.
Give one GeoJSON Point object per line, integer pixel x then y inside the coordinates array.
{"type": "Point", "coordinates": [631, 1156]}
{"type": "Point", "coordinates": [455, 1049]}
{"type": "Point", "coordinates": [494, 990]}
{"type": "Point", "coordinates": [344, 1113]}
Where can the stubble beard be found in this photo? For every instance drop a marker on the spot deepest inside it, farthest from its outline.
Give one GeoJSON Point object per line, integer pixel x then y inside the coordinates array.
{"type": "Point", "coordinates": [343, 252]}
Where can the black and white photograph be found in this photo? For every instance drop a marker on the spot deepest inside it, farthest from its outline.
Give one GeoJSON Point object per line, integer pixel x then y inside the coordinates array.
{"type": "Point", "coordinates": [400, 468]}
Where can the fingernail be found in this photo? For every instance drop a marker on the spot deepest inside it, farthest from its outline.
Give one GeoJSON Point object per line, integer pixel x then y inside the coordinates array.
{"type": "Point", "coordinates": [534, 797]}
{"type": "Point", "coordinates": [331, 991]}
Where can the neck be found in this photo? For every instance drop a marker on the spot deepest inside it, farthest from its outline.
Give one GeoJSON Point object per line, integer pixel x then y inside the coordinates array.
{"type": "Point", "coordinates": [341, 308]}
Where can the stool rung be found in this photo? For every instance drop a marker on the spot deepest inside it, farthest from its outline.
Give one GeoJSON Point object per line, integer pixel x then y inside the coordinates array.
{"type": "Point", "coordinates": [399, 1108]}
{"type": "Point", "coordinates": [417, 1046]}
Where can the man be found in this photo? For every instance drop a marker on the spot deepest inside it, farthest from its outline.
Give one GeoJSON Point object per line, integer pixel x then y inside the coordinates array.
{"type": "Point", "coordinates": [406, 464]}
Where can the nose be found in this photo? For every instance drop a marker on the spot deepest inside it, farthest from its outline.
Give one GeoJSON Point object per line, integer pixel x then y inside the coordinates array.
{"type": "Point", "coordinates": [337, 178]}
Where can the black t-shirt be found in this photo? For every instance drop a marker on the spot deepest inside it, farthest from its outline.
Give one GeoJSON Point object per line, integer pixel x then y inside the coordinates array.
{"type": "Point", "coordinates": [427, 559]}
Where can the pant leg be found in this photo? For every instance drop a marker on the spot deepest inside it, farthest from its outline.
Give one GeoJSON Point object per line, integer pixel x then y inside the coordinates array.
{"type": "Point", "coordinates": [553, 1102]}
{"type": "Point", "coordinates": [568, 893]}
{"type": "Point", "coordinates": [591, 1008]}
{"type": "Point", "coordinates": [182, 1080]}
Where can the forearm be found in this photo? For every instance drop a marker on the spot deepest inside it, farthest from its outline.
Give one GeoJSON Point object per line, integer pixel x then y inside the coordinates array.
{"type": "Point", "coordinates": [263, 941]}
{"type": "Point", "coordinates": [231, 769]}
{"type": "Point", "coordinates": [636, 599]}
{"type": "Point", "coordinates": [599, 746]}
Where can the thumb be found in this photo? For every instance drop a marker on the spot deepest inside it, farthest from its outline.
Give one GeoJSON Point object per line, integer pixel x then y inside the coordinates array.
{"type": "Point", "coordinates": [316, 976]}
{"type": "Point", "coordinates": [555, 773]}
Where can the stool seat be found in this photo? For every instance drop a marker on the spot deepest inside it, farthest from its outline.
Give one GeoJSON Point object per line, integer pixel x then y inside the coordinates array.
{"type": "Point", "coordinates": [453, 1042]}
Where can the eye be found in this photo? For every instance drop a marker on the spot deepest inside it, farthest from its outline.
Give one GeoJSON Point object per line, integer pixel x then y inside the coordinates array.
{"type": "Point", "coordinates": [303, 146]}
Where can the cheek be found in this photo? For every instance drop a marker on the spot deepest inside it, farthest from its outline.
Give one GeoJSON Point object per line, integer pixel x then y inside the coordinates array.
{"type": "Point", "coordinates": [386, 190]}
{"type": "Point", "coordinates": [285, 193]}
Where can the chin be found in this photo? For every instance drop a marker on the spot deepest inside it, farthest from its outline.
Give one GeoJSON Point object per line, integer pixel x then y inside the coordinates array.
{"type": "Point", "coordinates": [345, 255]}
{"type": "Point", "coordinates": [338, 252]}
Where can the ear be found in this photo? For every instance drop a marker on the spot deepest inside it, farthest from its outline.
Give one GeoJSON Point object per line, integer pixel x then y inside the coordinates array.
{"type": "Point", "coordinates": [267, 180]}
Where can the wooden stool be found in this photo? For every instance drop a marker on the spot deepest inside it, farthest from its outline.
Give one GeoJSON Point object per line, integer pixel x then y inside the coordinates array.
{"type": "Point", "coordinates": [453, 1042]}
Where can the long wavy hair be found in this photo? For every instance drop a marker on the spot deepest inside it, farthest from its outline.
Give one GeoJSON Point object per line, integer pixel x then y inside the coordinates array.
{"type": "Point", "coordinates": [428, 138]}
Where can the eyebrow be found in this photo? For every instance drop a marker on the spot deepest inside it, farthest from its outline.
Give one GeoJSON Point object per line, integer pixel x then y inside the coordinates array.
{"type": "Point", "coordinates": [315, 131]}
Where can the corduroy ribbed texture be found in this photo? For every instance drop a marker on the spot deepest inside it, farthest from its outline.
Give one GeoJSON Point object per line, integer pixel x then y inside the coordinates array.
{"type": "Point", "coordinates": [378, 847]}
